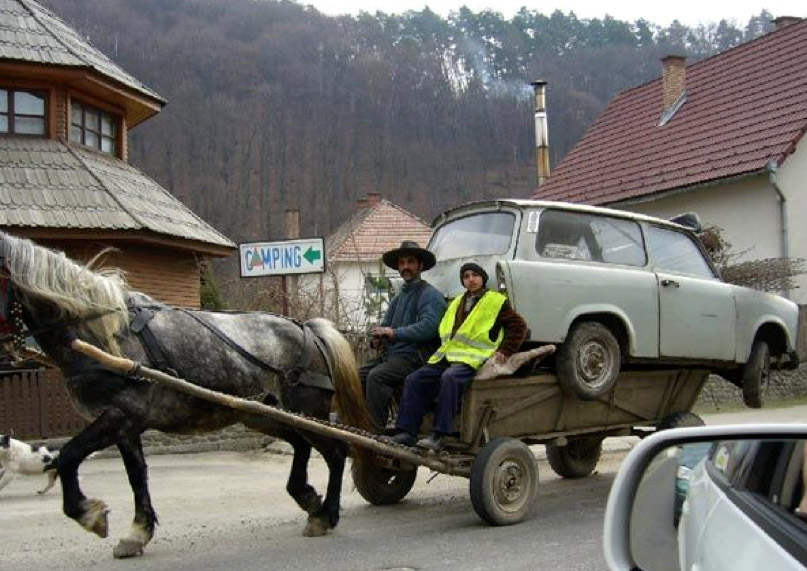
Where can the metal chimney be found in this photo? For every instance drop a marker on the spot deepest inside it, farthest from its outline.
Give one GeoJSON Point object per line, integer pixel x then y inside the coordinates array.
{"type": "Point", "coordinates": [541, 132]}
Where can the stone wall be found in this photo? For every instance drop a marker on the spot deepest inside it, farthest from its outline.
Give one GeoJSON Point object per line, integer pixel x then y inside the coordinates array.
{"type": "Point", "coordinates": [784, 385]}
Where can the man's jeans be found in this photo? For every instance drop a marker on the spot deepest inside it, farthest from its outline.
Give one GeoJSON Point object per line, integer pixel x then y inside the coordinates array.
{"type": "Point", "coordinates": [380, 379]}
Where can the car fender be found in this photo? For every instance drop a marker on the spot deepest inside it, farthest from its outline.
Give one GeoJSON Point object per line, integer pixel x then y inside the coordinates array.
{"type": "Point", "coordinates": [746, 337]}
{"type": "Point", "coordinates": [594, 312]}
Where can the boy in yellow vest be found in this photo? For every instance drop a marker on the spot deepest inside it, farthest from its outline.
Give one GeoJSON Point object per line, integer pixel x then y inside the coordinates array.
{"type": "Point", "coordinates": [478, 325]}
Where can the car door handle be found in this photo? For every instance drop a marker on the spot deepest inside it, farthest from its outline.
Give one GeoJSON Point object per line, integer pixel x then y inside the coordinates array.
{"type": "Point", "coordinates": [668, 283]}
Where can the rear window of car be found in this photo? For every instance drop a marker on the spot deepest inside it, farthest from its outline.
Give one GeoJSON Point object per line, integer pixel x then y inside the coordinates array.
{"type": "Point", "coordinates": [476, 235]}
{"type": "Point", "coordinates": [589, 237]}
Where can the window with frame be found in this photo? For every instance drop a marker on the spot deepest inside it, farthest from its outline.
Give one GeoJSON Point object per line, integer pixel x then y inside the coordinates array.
{"type": "Point", "coordinates": [589, 237]}
{"type": "Point", "coordinates": [93, 127]}
{"type": "Point", "coordinates": [22, 112]}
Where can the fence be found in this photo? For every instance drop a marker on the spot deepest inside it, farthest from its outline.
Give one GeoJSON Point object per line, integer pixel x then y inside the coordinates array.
{"type": "Point", "coordinates": [34, 405]}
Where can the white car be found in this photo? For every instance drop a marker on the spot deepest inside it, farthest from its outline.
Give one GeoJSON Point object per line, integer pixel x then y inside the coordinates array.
{"type": "Point", "coordinates": [744, 509]}
{"type": "Point", "coordinates": [616, 289]}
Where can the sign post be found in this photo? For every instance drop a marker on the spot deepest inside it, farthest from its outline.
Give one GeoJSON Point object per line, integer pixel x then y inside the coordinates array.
{"type": "Point", "coordinates": [301, 256]}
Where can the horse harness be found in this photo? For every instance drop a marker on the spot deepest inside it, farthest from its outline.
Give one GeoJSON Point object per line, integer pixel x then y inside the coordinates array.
{"type": "Point", "coordinates": [141, 314]}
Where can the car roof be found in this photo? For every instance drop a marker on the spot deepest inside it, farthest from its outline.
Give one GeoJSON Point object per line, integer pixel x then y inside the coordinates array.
{"type": "Point", "coordinates": [521, 203]}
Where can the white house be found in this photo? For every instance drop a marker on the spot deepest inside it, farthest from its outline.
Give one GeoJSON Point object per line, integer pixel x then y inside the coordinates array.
{"type": "Point", "coordinates": [354, 289]}
{"type": "Point", "coordinates": [723, 137]}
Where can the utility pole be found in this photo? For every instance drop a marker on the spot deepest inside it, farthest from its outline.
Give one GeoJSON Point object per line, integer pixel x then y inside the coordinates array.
{"type": "Point", "coordinates": [289, 283]}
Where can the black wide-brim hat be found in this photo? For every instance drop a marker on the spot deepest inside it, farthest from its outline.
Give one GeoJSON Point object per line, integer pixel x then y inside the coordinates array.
{"type": "Point", "coordinates": [409, 248]}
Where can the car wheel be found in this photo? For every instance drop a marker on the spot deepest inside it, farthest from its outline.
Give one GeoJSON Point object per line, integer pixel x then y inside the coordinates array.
{"type": "Point", "coordinates": [381, 485]}
{"type": "Point", "coordinates": [504, 481]}
{"type": "Point", "coordinates": [680, 420]}
{"type": "Point", "coordinates": [588, 361]}
{"type": "Point", "coordinates": [756, 374]}
{"type": "Point", "coordinates": [575, 460]}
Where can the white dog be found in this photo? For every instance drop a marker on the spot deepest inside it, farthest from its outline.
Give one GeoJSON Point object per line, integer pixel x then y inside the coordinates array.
{"type": "Point", "coordinates": [20, 458]}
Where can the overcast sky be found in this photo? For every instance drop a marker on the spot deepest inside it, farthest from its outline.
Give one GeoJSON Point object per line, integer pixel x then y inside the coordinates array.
{"type": "Point", "coordinates": [689, 12]}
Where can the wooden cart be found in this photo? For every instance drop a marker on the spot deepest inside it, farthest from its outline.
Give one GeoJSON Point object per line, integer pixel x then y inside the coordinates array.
{"type": "Point", "coordinates": [501, 417]}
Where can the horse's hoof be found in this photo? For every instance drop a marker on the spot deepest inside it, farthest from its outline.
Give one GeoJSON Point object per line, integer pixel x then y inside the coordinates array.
{"type": "Point", "coordinates": [128, 548]}
{"type": "Point", "coordinates": [316, 527]}
{"type": "Point", "coordinates": [95, 517]}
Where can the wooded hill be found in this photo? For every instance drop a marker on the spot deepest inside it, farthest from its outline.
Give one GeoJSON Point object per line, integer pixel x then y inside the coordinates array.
{"type": "Point", "coordinates": [273, 105]}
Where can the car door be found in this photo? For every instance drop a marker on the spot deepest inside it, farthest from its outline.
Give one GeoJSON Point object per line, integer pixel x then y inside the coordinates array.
{"type": "Point", "coordinates": [573, 264]}
{"type": "Point", "coordinates": [697, 316]}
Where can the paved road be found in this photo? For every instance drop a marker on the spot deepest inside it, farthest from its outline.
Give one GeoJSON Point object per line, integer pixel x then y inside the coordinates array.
{"type": "Point", "coordinates": [229, 510]}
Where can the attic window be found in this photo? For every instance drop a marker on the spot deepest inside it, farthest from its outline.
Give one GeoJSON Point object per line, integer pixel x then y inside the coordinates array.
{"type": "Point", "coordinates": [22, 112]}
{"type": "Point", "coordinates": [93, 127]}
{"type": "Point", "coordinates": [668, 114]}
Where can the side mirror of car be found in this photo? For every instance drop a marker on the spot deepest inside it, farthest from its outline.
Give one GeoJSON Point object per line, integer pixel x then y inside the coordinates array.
{"type": "Point", "coordinates": [722, 497]}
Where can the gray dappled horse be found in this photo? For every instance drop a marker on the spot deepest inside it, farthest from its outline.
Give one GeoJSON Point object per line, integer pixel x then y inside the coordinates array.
{"type": "Point", "coordinates": [248, 354]}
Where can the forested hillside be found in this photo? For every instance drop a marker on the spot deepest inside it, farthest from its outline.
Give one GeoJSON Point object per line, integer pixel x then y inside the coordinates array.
{"type": "Point", "coordinates": [273, 105]}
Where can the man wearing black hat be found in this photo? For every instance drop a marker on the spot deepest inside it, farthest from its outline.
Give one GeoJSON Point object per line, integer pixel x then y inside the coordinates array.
{"type": "Point", "coordinates": [478, 325]}
{"type": "Point", "coordinates": [406, 331]}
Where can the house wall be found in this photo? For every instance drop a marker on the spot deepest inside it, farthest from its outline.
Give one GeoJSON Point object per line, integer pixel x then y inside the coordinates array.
{"type": "Point", "coordinates": [169, 276]}
{"type": "Point", "coordinates": [344, 293]}
{"type": "Point", "coordinates": [747, 210]}
{"type": "Point", "coordinates": [792, 181]}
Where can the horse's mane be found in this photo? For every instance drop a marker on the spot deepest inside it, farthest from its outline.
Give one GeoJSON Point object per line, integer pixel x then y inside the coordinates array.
{"type": "Point", "coordinates": [74, 290]}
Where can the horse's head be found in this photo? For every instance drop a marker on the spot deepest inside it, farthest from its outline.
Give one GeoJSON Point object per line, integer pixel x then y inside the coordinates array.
{"type": "Point", "coordinates": [50, 290]}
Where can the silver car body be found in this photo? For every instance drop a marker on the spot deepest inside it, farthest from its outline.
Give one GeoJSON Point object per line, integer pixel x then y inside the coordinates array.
{"type": "Point", "coordinates": [648, 277]}
{"type": "Point", "coordinates": [716, 534]}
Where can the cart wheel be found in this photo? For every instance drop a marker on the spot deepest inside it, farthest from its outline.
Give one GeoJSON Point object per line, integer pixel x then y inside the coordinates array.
{"type": "Point", "coordinates": [382, 485]}
{"type": "Point", "coordinates": [756, 374]}
{"type": "Point", "coordinates": [588, 361]}
{"type": "Point", "coordinates": [575, 460]}
{"type": "Point", "coordinates": [680, 420]}
{"type": "Point", "coordinates": [504, 481]}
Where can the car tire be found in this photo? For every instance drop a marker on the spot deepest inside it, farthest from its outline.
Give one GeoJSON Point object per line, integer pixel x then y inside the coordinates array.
{"type": "Point", "coordinates": [588, 361]}
{"type": "Point", "coordinates": [504, 481]}
{"type": "Point", "coordinates": [381, 485]}
{"type": "Point", "coordinates": [680, 420]}
{"type": "Point", "coordinates": [756, 374]}
{"type": "Point", "coordinates": [575, 460]}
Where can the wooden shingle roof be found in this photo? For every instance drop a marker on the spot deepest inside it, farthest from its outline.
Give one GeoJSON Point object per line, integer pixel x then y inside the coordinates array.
{"type": "Point", "coordinates": [49, 184]}
{"type": "Point", "coordinates": [29, 33]}
{"type": "Point", "coordinates": [745, 108]}
{"type": "Point", "coordinates": [377, 227]}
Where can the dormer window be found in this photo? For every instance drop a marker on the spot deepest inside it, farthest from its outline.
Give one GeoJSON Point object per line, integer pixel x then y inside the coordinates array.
{"type": "Point", "coordinates": [93, 127]}
{"type": "Point", "coordinates": [22, 112]}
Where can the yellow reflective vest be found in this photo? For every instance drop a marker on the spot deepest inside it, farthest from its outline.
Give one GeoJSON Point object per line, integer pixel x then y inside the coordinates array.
{"type": "Point", "coordinates": [471, 343]}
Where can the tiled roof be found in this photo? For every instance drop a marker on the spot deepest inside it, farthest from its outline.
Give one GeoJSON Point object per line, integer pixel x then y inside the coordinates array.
{"type": "Point", "coordinates": [373, 230]}
{"type": "Point", "coordinates": [48, 184]}
{"type": "Point", "coordinates": [744, 108]}
{"type": "Point", "coordinates": [30, 33]}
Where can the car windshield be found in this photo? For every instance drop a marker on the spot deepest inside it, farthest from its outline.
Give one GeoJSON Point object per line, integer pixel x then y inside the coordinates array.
{"type": "Point", "coordinates": [475, 235]}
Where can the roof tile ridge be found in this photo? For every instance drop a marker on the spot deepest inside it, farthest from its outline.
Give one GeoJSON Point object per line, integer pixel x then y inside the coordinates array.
{"type": "Point", "coordinates": [137, 84]}
{"type": "Point", "coordinates": [98, 179]}
{"type": "Point", "coordinates": [349, 228]}
{"type": "Point", "coordinates": [121, 163]}
{"type": "Point", "coordinates": [26, 5]}
{"type": "Point", "coordinates": [749, 44]}
{"type": "Point", "coordinates": [406, 212]}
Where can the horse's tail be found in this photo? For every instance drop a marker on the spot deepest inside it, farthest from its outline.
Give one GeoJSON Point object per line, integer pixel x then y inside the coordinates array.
{"type": "Point", "coordinates": [349, 396]}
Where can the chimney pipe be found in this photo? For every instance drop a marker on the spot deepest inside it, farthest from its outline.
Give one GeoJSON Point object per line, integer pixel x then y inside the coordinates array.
{"type": "Point", "coordinates": [541, 132]}
{"type": "Point", "coordinates": [674, 79]}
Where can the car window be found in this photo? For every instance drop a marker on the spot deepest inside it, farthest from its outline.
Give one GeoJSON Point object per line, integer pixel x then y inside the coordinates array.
{"type": "Point", "coordinates": [475, 235]}
{"type": "Point", "coordinates": [674, 251]}
{"type": "Point", "coordinates": [581, 236]}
